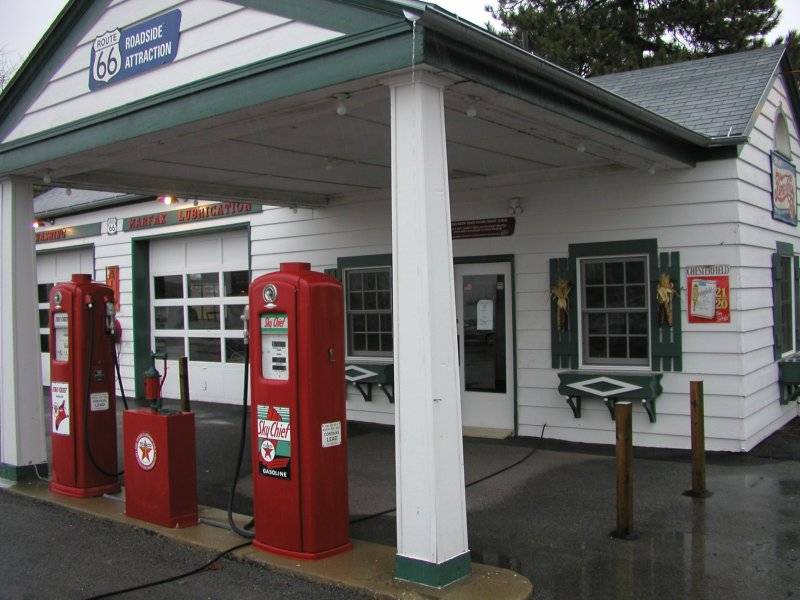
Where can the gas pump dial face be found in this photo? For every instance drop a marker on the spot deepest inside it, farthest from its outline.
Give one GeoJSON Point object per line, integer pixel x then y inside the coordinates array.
{"type": "Point", "coordinates": [270, 293]}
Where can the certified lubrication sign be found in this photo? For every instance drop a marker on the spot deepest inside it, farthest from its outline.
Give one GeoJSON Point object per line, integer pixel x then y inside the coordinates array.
{"type": "Point", "coordinates": [122, 53]}
{"type": "Point", "coordinates": [274, 441]}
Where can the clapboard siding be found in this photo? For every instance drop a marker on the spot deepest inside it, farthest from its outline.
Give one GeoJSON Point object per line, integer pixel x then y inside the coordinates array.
{"type": "Point", "coordinates": [215, 37]}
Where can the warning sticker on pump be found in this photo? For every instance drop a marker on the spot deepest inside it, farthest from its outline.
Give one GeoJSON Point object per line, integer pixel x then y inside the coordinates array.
{"type": "Point", "coordinates": [99, 401]}
{"type": "Point", "coordinates": [274, 441]}
{"type": "Point", "coordinates": [331, 434]}
{"type": "Point", "coordinates": [59, 398]}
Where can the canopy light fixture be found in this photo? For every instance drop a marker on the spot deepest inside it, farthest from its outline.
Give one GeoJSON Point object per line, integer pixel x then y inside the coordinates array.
{"type": "Point", "coordinates": [471, 111]}
{"type": "Point", "coordinates": [341, 105]}
{"type": "Point", "coordinates": [581, 148]}
{"type": "Point", "coordinates": [167, 200]}
{"type": "Point", "coordinates": [39, 223]}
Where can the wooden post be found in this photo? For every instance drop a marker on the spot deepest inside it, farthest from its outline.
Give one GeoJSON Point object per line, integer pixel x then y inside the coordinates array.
{"type": "Point", "coordinates": [183, 376]}
{"type": "Point", "coordinates": [698, 442]}
{"type": "Point", "coordinates": [624, 454]}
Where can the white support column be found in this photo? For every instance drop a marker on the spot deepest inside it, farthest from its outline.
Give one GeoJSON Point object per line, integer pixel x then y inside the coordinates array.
{"type": "Point", "coordinates": [22, 432]}
{"type": "Point", "coordinates": [431, 508]}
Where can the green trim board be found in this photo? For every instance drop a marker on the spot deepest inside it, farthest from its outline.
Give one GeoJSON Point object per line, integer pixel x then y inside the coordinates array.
{"type": "Point", "coordinates": [611, 387]}
{"type": "Point", "coordinates": [316, 67]}
{"type": "Point", "coordinates": [191, 214]}
{"type": "Point", "coordinates": [21, 473]}
{"type": "Point", "coordinates": [432, 574]}
{"type": "Point", "coordinates": [140, 263]}
{"type": "Point", "coordinates": [60, 234]}
{"type": "Point", "coordinates": [345, 16]}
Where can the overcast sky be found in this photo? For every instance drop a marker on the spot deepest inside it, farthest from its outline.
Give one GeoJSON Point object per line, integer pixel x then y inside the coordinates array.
{"type": "Point", "coordinates": [23, 22]}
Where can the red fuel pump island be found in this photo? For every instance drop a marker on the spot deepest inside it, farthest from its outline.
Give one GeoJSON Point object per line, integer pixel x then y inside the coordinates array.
{"type": "Point", "coordinates": [82, 391]}
{"type": "Point", "coordinates": [298, 424]}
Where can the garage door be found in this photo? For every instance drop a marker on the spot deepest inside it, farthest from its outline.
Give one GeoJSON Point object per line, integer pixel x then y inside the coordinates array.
{"type": "Point", "coordinates": [52, 267]}
{"type": "Point", "coordinates": [198, 293]}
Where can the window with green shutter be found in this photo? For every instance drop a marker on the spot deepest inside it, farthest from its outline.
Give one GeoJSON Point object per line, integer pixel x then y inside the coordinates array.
{"type": "Point", "coordinates": [786, 324]}
{"type": "Point", "coordinates": [616, 304]}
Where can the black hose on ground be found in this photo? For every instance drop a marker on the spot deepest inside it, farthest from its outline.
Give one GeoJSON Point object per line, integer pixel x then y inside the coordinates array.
{"type": "Point", "coordinates": [237, 470]}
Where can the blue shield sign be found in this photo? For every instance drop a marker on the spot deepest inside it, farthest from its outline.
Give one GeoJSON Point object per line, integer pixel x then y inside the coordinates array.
{"type": "Point", "coordinates": [122, 53]}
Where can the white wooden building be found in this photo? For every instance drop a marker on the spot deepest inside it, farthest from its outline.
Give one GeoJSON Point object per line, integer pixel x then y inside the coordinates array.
{"type": "Point", "coordinates": [355, 135]}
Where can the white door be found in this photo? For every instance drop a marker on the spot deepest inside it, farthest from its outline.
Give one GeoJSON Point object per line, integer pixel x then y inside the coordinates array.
{"type": "Point", "coordinates": [486, 350]}
{"type": "Point", "coordinates": [52, 268]}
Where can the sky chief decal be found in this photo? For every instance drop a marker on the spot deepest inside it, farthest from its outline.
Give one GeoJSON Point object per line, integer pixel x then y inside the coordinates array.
{"type": "Point", "coordinates": [274, 441]}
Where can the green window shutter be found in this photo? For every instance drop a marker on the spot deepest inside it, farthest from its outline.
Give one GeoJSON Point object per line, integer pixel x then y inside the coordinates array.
{"type": "Point", "coordinates": [796, 274]}
{"type": "Point", "coordinates": [666, 342]}
{"type": "Point", "coordinates": [777, 282]}
{"type": "Point", "coordinates": [564, 340]}
{"type": "Point", "coordinates": [333, 272]}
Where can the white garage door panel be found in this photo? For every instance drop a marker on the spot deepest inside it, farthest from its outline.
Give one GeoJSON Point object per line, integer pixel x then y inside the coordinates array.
{"type": "Point", "coordinates": [200, 314]}
{"type": "Point", "coordinates": [54, 267]}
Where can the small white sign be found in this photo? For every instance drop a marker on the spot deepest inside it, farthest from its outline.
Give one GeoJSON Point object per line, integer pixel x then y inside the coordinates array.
{"type": "Point", "coordinates": [331, 434]}
{"type": "Point", "coordinates": [485, 315]}
{"type": "Point", "coordinates": [59, 398]}
{"type": "Point", "coordinates": [61, 342]}
{"type": "Point", "coordinates": [99, 401]}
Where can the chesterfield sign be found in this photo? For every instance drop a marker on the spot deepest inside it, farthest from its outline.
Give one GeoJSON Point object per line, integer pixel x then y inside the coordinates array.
{"type": "Point", "coordinates": [123, 53]}
{"type": "Point", "coordinates": [192, 214]}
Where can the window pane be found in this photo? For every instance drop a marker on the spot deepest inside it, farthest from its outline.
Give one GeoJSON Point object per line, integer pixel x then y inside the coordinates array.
{"type": "Point", "coordinates": [168, 286]}
{"type": "Point", "coordinates": [386, 342]}
{"type": "Point", "coordinates": [597, 347]}
{"type": "Point", "coordinates": [373, 342]}
{"type": "Point", "coordinates": [360, 342]}
{"type": "Point", "coordinates": [233, 316]}
{"type": "Point", "coordinates": [169, 317]}
{"type": "Point", "coordinates": [356, 301]}
{"type": "Point", "coordinates": [44, 317]}
{"type": "Point", "coordinates": [358, 323]}
{"type": "Point", "coordinates": [204, 317]}
{"type": "Point", "coordinates": [634, 271]}
{"type": "Point", "coordinates": [617, 323]}
{"type": "Point", "coordinates": [615, 272]}
{"type": "Point", "coordinates": [594, 297]}
{"type": "Point", "coordinates": [785, 306]}
{"type": "Point", "coordinates": [236, 283]}
{"type": "Point", "coordinates": [637, 323]}
{"type": "Point", "coordinates": [635, 295]}
{"type": "Point", "coordinates": [384, 300]}
{"type": "Point", "coordinates": [173, 346]}
{"type": "Point", "coordinates": [43, 291]}
{"type": "Point", "coordinates": [618, 347]}
{"type": "Point", "coordinates": [203, 285]}
{"type": "Point", "coordinates": [594, 273]}
{"type": "Point", "coordinates": [354, 281]}
{"type": "Point", "coordinates": [370, 281]}
{"type": "Point", "coordinates": [615, 296]}
{"type": "Point", "coordinates": [597, 323]}
{"type": "Point", "coordinates": [44, 342]}
{"type": "Point", "coordinates": [204, 349]}
{"type": "Point", "coordinates": [234, 350]}
{"type": "Point", "coordinates": [373, 322]}
{"type": "Point", "coordinates": [370, 301]}
{"type": "Point", "coordinates": [638, 346]}
{"type": "Point", "coordinates": [384, 280]}
{"type": "Point", "coordinates": [386, 322]}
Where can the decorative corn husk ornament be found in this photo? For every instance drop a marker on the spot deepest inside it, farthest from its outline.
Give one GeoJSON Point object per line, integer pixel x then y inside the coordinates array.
{"type": "Point", "coordinates": [664, 293]}
{"type": "Point", "coordinates": [561, 291]}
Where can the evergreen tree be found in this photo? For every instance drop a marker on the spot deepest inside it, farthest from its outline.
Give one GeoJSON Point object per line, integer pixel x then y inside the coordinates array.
{"type": "Point", "coordinates": [592, 37]}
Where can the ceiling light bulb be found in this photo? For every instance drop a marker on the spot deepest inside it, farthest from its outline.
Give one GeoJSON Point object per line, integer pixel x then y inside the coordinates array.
{"type": "Point", "coordinates": [167, 200]}
{"type": "Point", "coordinates": [47, 179]}
{"type": "Point", "coordinates": [581, 148]}
{"type": "Point", "coordinates": [652, 170]}
{"type": "Point", "coordinates": [472, 112]}
{"type": "Point", "coordinates": [341, 108]}
{"type": "Point", "coordinates": [69, 191]}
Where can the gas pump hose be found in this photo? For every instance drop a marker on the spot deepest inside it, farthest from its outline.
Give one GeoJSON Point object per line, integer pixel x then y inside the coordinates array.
{"type": "Point", "coordinates": [88, 398]}
{"type": "Point", "coordinates": [243, 434]}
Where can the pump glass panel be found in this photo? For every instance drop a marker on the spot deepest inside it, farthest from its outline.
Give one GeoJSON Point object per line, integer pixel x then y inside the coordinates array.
{"type": "Point", "coordinates": [61, 328]}
{"type": "Point", "coordinates": [484, 333]}
{"type": "Point", "coordinates": [275, 346]}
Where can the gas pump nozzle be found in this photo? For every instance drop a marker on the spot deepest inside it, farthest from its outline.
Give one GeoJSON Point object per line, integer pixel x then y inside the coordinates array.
{"type": "Point", "coordinates": [110, 315]}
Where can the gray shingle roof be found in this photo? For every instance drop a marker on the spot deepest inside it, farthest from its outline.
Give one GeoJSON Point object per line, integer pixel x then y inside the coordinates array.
{"type": "Point", "coordinates": [59, 202]}
{"type": "Point", "coordinates": [713, 96]}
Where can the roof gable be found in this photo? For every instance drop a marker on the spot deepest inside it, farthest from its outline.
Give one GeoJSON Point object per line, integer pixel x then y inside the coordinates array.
{"type": "Point", "coordinates": [716, 97]}
{"type": "Point", "coordinates": [58, 85]}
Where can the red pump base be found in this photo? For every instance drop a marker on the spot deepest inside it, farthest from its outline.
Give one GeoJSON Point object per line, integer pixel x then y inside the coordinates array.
{"type": "Point", "coordinates": [160, 467]}
{"type": "Point", "coordinates": [90, 492]}
{"type": "Point", "coordinates": [305, 555]}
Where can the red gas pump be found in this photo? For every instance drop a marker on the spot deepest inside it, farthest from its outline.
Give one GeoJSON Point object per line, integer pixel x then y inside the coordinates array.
{"type": "Point", "coordinates": [298, 424]}
{"type": "Point", "coordinates": [82, 391]}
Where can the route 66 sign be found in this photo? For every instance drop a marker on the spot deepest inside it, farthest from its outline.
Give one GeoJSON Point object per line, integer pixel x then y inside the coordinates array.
{"type": "Point", "coordinates": [106, 57]}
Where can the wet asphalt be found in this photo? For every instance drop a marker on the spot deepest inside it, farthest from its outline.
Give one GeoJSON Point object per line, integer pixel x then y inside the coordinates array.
{"type": "Point", "coordinates": [549, 517]}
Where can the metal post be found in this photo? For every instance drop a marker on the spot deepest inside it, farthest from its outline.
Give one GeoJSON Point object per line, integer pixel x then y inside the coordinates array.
{"type": "Point", "coordinates": [624, 454]}
{"type": "Point", "coordinates": [698, 442]}
{"type": "Point", "coordinates": [183, 376]}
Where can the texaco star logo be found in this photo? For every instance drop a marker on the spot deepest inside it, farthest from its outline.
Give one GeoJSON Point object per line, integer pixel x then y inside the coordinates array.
{"type": "Point", "coordinates": [145, 449]}
{"type": "Point", "coordinates": [267, 450]}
